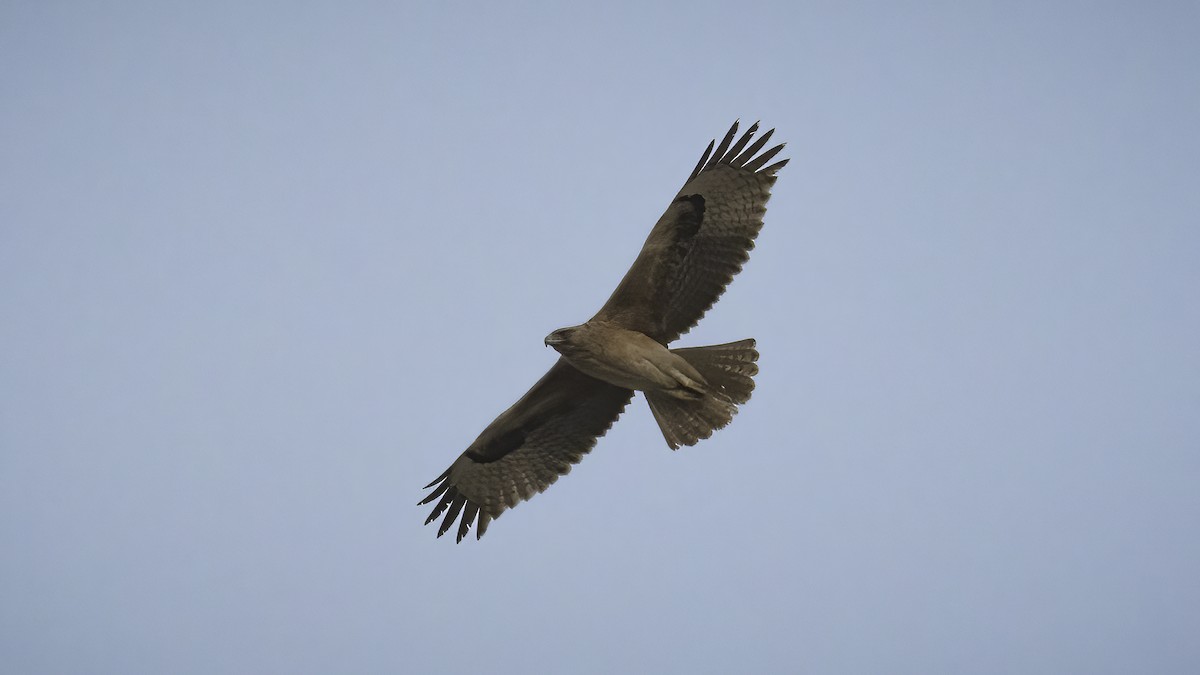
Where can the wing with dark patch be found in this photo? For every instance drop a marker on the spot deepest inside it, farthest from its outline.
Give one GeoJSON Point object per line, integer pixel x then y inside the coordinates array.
{"type": "Point", "coordinates": [526, 448]}
{"type": "Point", "coordinates": [700, 242]}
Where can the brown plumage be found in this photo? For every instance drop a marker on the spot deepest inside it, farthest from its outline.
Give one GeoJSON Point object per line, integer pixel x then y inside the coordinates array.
{"type": "Point", "coordinates": [691, 255]}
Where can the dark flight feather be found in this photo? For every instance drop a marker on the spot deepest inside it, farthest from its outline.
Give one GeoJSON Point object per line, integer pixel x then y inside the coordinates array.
{"type": "Point", "coordinates": [737, 147]}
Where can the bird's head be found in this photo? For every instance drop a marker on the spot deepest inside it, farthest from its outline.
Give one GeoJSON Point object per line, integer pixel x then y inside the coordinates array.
{"type": "Point", "coordinates": [562, 338]}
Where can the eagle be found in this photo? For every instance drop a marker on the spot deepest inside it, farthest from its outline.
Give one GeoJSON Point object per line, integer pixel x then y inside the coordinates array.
{"type": "Point", "coordinates": [691, 255]}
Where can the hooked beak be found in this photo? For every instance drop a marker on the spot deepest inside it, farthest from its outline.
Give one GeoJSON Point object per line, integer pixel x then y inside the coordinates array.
{"type": "Point", "coordinates": [556, 338]}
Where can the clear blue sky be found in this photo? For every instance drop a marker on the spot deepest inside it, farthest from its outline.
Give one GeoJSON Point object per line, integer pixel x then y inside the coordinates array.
{"type": "Point", "coordinates": [266, 269]}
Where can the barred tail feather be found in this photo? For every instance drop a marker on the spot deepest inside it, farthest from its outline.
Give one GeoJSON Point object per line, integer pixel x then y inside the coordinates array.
{"type": "Point", "coordinates": [729, 370]}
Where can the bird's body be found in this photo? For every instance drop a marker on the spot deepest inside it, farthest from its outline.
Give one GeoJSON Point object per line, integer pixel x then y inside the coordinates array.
{"type": "Point", "coordinates": [690, 256]}
{"type": "Point", "coordinates": [627, 358]}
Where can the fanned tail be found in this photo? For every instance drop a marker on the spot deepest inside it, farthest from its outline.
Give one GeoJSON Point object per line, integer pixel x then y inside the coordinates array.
{"type": "Point", "coordinates": [729, 370]}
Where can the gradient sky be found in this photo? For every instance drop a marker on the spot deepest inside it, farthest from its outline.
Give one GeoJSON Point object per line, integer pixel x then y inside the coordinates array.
{"type": "Point", "coordinates": [267, 269]}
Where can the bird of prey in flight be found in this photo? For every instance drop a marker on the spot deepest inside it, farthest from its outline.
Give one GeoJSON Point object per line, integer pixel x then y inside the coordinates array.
{"type": "Point", "coordinates": [691, 255]}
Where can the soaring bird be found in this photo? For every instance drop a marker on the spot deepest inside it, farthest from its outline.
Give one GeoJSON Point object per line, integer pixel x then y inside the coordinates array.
{"type": "Point", "coordinates": [691, 255]}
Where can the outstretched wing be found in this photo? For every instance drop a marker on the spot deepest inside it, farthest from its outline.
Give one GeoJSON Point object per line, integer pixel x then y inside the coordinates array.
{"type": "Point", "coordinates": [526, 448]}
{"type": "Point", "coordinates": [701, 241]}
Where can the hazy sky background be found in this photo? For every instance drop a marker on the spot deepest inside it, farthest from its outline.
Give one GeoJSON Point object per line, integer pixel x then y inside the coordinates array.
{"type": "Point", "coordinates": [267, 269]}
